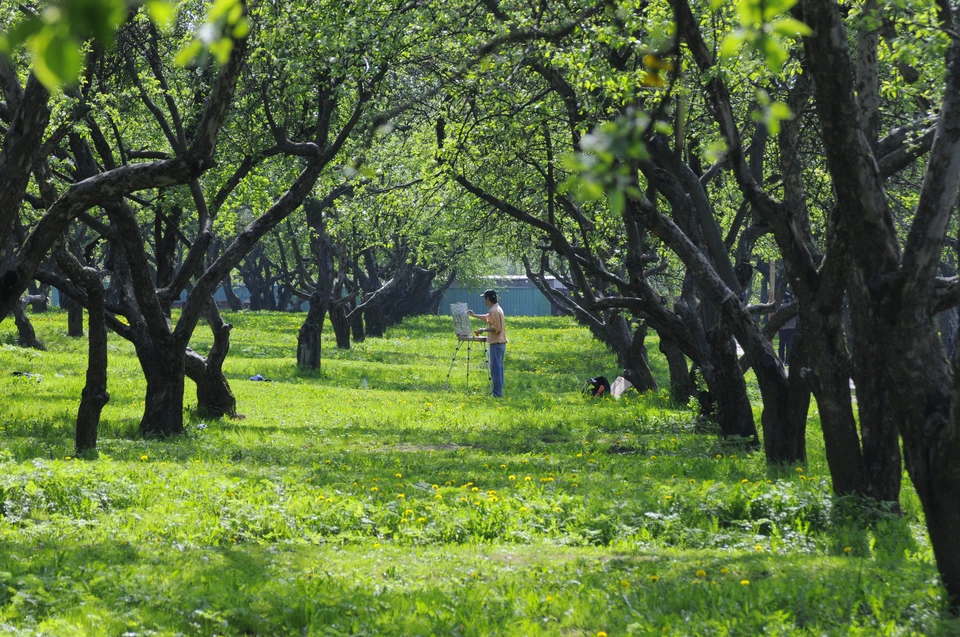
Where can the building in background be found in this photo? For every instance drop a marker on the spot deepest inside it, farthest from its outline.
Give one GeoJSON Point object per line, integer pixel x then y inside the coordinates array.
{"type": "Point", "coordinates": [517, 294]}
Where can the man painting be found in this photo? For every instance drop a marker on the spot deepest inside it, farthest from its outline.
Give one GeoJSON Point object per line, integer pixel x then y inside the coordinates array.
{"type": "Point", "coordinates": [496, 338]}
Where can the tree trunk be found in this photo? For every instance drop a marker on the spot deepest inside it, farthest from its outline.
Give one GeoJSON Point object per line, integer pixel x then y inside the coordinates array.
{"type": "Point", "coordinates": [636, 368]}
{"type": "Point", "coordinates": [40, 295]}
{"type": "Point", "coordinates": [308, 338]}
{"type": "Point", "coordinates": [948, 323]}
{"type": "Point", "coordinates": [74, 316]}
{"type": "Point", "coordinates": [727, 387]}
{"type": "Point", "coordinates": [214, 396]}
{"type": "Point", "coordinates": [356, 326]}
{"type": "Point", "coordinates": [26, 335]}
{"type": "Point", "coordinates": [164, 368]}
{"type": "Point", "coordinates": [821, 330]}
{"type": "Point", "coordinates": [232, 299]}
{"type": "Point", "coordinates": [681, 387]}
{"type": "Point", "coordinates": [875, 403]}
{"type": "Point", "coordinates": [94, 396]}
{"type": "Point", "coordinates": [373, 318]}
{"type": "Point", "coordinates": [341, 325]}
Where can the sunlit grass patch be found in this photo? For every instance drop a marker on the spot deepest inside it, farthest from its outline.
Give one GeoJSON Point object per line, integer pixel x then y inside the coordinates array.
{"type": "Point", "coordinates": [406, 508]}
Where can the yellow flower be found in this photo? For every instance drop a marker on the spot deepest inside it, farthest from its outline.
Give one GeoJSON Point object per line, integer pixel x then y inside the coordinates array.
{"type": "Point", "coordinates": [66, 457]}
{"type": "Point", "coordinates": [408, 512]}
{"type": "Point", "coordinates": [374, 489]}
{"type": "Point", "coordinates": [575, 485]}
{"type": "Point", "coordinates": [847, 549]}
{"type": "Point", "coordinates": [579, 455]}
{"type": "Point", "coordinates": [745, 481]}
{"type": "Point", "coordinates": [668, 497]}
{"type": "Point", "coordinates": [143, 457]}
{"type": "Point", "coordinates": [512, 478]}
{"type": "Point", "coordinates": [329, 500]}
{"type": "Point", "coordinates": [601, 634]}
{"type": "Point", "coordinates": [474, 489]}
{"type": "Point", "coordinates": [558, 510]}
{"type": "Point", "coordinates": [421, 520]}
{"type": "Point", "coordinates": [654, 578]}
{"type": "Point", "coordinates": [527, 479]}
{"type": "Point", "coordinates": [503, 466]}
{"type": "Point", "coordinates": [799, 469]}
{"type": "Point", "coordinates": [625, 583]}
{"type": "Point", "coordinates": [401, 496]}
{"type": "Point", "coordinates": [438, 497]}
{"type": "Point", "coordinates": [724, 570]}
{"type": "Point", "coordinates": [549, 598]}
{"type": "Point", "coordinates": [692, 481]}
{"type": "Point", "coordinates": [523, 508]}
{"type": "Point", "coordinates": [719, 455]}
{"type": "Point", "coordinates": [758, 548]}
{"type": "Point", "coordinates": [744, 582]}
{"type": "Point", "coordinates": [701, 573]}
{"type": "Point", "coordinates": [376, 545]}
{"type": "Point", "coordinates": [399, 475]}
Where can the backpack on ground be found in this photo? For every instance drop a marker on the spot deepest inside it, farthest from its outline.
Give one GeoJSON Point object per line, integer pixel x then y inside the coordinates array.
{"type": "Point", "coordinates": [596, 386]}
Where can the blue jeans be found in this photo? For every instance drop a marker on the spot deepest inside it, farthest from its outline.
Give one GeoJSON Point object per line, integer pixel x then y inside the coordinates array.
{"type": "Point", "coordinates": [497, 350]}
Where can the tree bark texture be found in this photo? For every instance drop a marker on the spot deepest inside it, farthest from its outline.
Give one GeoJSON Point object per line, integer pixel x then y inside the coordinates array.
{"type": "Point", "coordinates": [95, 395]}
{"type": "Point", "coordinates": [681, 387]}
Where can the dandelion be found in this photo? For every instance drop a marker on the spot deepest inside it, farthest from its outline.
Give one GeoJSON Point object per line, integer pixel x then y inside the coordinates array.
{"type": "Point", "coordinates": [745, 481]}
{"type": "Point", "coordinates": [601, 634]}
{"type": "Point", "coordinates": [438, 497]}
{"type": "Point", "coordinates": [143, 457]}
{"type": "Point", "coordinates": [668, 497]}
{"type": "Point", "coordinates": [692, 481]}
{"type": "Point", "coordinates": [475, 489]}
{"type": "Point", "coordinates": [558, 510]}
{"type": "Point", "coordinates": [847, 549]}
{"type": "Point", "coordinates": [625, 583]}
{"type": "Point", "coordinates": [579, 455]}
{"type": "Point", "coordinates": [719, 455]}
{"type": "Point", "coordinates": [512, 478]}
{"type": "Point", "coordinates": [374, 489]}
{"type": "Point", "coordinates": [799, 469]}
{"type": "Point", "coordinates": [436, 486]}
{"type": "Point", "coordinates": [399, 475]}
{"type": "Point", "coordinates": [744, 582]}
{"type": "Point", "coordinates": [401, 496]}
{"type": "Point", "coordinates": [522, 509]}
{"type": "Point", "coordinates": [654, 579]}
{"type": "Point", "coordinates": [701, 573]}
{"type": "Point", "coordinates": [408, 512]}
{"type": "Point", "coordinates": [503, 466]}
{"type": "Point", "coordinates": [527, 479]}
{"type": "Point", "coordinates": [574, 485]}
{"type": "Point", "coordinates": [758, 548]}
{"type": "Point", "coordinates": [376, 545]}
{"type": "Point", "coordinates": [724, 570]}
{"type": "Point", "coordinates": [329, 500]}
{"type": "Point", "coordinates": [421, 520]}
{"type": "Point", "coordinates": [549, 598]}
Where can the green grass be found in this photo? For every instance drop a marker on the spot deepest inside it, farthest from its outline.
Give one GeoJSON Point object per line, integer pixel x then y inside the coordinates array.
{"type": "Point", "coordinates": [408, 509]}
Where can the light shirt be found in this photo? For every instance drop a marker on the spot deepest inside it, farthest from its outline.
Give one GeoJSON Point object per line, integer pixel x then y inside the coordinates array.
{"type": "Point", "coordinates": [495, 321]}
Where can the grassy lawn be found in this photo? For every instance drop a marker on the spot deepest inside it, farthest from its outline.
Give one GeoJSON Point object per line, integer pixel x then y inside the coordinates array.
{"type": "Point", "coordinates": [408, 509]}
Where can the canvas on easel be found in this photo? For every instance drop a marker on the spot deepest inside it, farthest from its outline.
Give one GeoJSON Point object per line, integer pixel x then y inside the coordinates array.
{"type": "Point", "coordinates": [461, 320]}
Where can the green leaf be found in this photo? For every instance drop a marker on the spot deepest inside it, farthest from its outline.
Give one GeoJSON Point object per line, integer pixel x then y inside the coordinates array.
{"type": "Point", "coordinates": [780, 110]}
{"type": "Point", "coordinates": [57, 59]}
{"type": "Point", "coordinates": [590, 190]}
{"type": "Point", "coordinates": [731, 44]}
{"type": "Point", "coordinates": [188, 53]}
{"type": "Point", "coordinates": [716, 4]}
{"type": "Point", "coordinates": [242, 29]}
{"type": "Point", "coordinates": [790, 27]}
{"type": "Point", "coordinates": [21, 31]}
{"type": "Point", "coordinates": [162, 12]}
{"type": "Point", "coordinates": [220, 8]}
{"type": "Point", "coordinates": [617, 201]}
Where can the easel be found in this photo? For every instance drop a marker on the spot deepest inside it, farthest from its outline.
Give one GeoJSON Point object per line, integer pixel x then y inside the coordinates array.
{"type": "Point", "coordinates": [469, 340]}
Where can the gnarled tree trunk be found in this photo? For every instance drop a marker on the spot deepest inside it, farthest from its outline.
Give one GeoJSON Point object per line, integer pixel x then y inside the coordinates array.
{"type": "Point", "coordinates": [681, 387]}
{"type": "Point", "coordinates": [163, 365]}
{"type": "Point", "coordinates": [214, 396]}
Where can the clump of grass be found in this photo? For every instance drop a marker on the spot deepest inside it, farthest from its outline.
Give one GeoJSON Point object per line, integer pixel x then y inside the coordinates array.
{"type": "Point", "coordinates": [408, 509]}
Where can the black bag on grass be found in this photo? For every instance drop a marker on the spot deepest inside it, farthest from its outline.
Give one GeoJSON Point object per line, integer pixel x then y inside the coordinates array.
{"type": "Point", "coordinates": [597, 386]}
